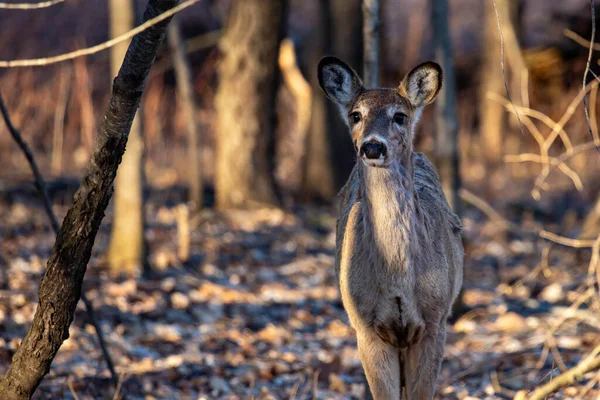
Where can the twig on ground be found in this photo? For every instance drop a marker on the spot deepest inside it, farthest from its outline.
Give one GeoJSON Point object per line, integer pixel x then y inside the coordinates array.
{"type": "Point", "coordinates": [40, 184]}
{"type": "Point", "coordinates": [71, 388]}
{"type": "Point", "coordinates": [590, 363]}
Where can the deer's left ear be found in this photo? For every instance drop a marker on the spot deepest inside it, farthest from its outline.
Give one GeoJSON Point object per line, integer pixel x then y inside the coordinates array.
{"type": "Point", "coordinates": [422, 84]}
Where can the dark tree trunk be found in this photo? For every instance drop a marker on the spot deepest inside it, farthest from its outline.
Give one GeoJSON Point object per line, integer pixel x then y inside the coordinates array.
{"type": "Point", "coordinates": [371, 22]}
{"type": "Point", "coordinates": [188, 104]}
{"type": "Point", "coordinates": [446, 141]}
{"type": "Point", "coordinates": [245, 104]}
{"type": "Point", "coordinates": [329, 153]}
{"type": "Point", "coordinates": [61, 286]}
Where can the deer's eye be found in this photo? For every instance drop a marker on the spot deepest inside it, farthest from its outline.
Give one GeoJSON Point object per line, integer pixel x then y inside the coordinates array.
{"type": "Point", "coordinates": [399, 118]}
{"type": "Point", "coordinates": [355, 117]}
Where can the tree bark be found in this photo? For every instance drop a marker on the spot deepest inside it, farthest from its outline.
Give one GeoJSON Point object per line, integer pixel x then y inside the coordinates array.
{"type": "Point", "coordinates": [371, 22]}
{"type": "Point", "coordinates": [127, 252]}
{"type": "Point", "coordinates": [446, 140]}
{"type": "Point", "coordinates": [61, 286]}
{"type": "Point", "coordinates": [329, 153]}
{"type": "Point", "coordinates": [186, 96]}
{"type": "Point", "coordinates": [492, 117]}
{"type": "Point", "coordinates": [245, 104]}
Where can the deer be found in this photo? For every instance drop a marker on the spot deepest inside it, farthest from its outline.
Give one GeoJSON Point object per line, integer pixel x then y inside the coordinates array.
{"type": "Point", "coordinates": [399, 253]}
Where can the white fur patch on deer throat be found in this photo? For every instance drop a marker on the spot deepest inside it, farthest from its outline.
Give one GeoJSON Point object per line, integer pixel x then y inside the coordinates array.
{"type": "Point", "coordinates": [377, 162]}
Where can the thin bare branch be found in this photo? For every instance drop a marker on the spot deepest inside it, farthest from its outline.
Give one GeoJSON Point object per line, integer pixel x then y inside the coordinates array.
{"type": "Point", "coordinates": [579, 39]}
{"type": "Point", "coordinates": [536, 158]}
{"type": "Point", "coordinates": [503, 68]}
{"type": "Point", "coordinates": [541, 179]}
{"type": "Point", "coordinates": [29, 6]}
{"type": "Point", "coordinates": [37, 62]}
{"type": "Point", "coordinates": [557, 127]}
{"type": "Point", "coordinates": [587, 69]}
{"type": "Point", "coordinates": [565, 241]}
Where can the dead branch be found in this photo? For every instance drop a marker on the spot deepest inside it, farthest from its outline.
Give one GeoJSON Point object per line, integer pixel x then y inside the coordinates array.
{"type": "Point", "coordinates": [541, 179]}
{"type": "Point", "coordinates": [29, 6]}
{"type": "Point", "coordinates": [60, 288]}
{"type": "Point", "coordinates": [37, 62]}
{"type": "Point", "coordinates": [502, 64]}
{"type": "Point", "coordinates": [546, 120]}
{"type": "Point", "coordinates": [40, 184]}
{"type": "Point", "coordinates": [536, 158]}
{"type": "Point", "coordinates": [579, 39]}
{"type": "Point", "coordinates": [565, 241]}
{"type": "Point", "coordinates": [587, 70]}
{"type": "Point", "coordinates": [590, 363]}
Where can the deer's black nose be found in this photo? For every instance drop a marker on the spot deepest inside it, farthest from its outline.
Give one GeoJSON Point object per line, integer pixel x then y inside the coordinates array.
{"type": "Point", "coordinates": [372, 150]}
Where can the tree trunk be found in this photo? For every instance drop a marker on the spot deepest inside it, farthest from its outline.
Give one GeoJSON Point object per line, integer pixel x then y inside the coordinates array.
{"type": "Point", "coordinates": [329, 153]}
{"type": "Point", "coordinates": [446, 140]}
{"type": "Point", "coordinates": [127, 251]}
{"type": "Point", "coordinates": [245, 104]}
{"type": "Point", "coordinates": [186, 96]}
{"type": "Point", "coordinates": [61, 286]}
{"type": "Point", "coordinates": [491, 114]}
{"type": "Point", "coordinates": [371, 22]}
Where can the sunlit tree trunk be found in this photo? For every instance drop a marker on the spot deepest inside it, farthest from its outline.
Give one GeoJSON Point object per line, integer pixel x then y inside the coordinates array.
{"type": "Point", "coordinates": [127, 252]}
{"type": "Point", "coordinates": [329, 154]}
{"type": "Point", "coordinates": [492, 117]}
{"type": "Point", "coordinates": [245, 103]}
{"type": "Point", "coordinates": [188, 104]}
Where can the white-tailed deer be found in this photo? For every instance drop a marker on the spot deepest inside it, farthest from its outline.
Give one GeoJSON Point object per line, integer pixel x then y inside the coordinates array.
{"type": "Point", "coordinates": [399, 257]}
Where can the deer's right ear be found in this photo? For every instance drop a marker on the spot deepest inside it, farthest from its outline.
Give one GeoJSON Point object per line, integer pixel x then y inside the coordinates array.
{"type": "Point", "coordinates": [339, 82]}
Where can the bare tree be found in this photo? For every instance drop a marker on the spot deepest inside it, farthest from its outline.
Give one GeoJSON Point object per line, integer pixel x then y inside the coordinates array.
{"type": "Point", "coordinates": [329, 154]}
{"type": "Point", "coordinates": [446, 140]}
{"type": "Point", "coordinates": [245, 104]}
{"type": "Point", "coordinates": [127, 252]}
{"type": "Point", "coordinates": [188, 104]}
{"type": "Point", "coordinates": [492, 119]}
{"type": "Point", "coordinates": [371, 22]}
{"type": "Point", "coordinates": [61, 286]}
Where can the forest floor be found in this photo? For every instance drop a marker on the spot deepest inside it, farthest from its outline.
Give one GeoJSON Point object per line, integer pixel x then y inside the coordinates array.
{"type": "Point", "coordinates": [255, 312]}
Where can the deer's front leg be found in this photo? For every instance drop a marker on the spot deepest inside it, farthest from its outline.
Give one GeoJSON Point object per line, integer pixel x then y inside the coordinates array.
{"type": "Point", "coordinates": [380, 361]}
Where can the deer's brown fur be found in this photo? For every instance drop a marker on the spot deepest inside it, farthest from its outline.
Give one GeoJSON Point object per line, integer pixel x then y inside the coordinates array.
{"type": "Point", "coordinates": [399, 251]}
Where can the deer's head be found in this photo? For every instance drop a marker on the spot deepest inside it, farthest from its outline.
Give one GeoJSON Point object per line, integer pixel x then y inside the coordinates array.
{"type": "Point", "coordinates": [381, 121]}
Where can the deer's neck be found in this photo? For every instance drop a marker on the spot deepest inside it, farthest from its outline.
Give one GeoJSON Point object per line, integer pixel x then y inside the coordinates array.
{"type": "Point", "coordinates": [388, 202]}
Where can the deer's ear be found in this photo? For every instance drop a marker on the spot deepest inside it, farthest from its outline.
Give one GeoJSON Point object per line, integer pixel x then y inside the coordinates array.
{"type": "Point", "coordinates": [339, 82]}
{"type": "Point", "coordinates": [422, 84]}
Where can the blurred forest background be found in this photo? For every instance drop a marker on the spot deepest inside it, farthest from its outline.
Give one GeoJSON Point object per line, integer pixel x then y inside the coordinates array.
{"type": "Point", "coordinates": [212, 275]}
